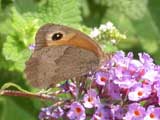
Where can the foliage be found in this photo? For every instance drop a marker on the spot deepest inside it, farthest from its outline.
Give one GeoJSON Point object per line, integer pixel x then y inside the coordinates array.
{"type": "Point", "coordinates": [20, 19]}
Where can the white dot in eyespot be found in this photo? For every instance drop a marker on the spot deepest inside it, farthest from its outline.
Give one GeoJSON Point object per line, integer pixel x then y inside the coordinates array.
{"type": "Point", "coordinates": [49, 36]}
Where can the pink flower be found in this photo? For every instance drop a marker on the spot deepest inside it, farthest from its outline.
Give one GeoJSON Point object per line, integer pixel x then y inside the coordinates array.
{"type": "Point", "coordinates": [91, 99]}
{"type": "Point", "coordinates": [153, 113]}
{"type": "Point", "coordinates": [76, 112]}
{"type": "Point", "coordinates": [102, 113]}
{"type": "Point", "coordinates": [101, 78]}
{"type": "Point", "coordinates": [135, 112]}
{"type": "Point", "coordinates": [139, 92]}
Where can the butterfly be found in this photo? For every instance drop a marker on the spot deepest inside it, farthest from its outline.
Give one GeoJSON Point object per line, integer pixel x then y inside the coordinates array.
{"type": "Point", "coordinates": [61, 53]}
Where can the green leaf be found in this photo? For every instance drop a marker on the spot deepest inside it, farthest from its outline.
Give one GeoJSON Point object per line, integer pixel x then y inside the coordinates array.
{"type": "Point", "coordinates": [11, 111]}
{"type": "Point", "coordinates": [15, 49]}
{"type": "Point", "coordinates": [15, 52]}
{"type": "Point", "coordinates": [25, 5]}
{"type": "Point", "coordinates": [0, 7]}
{"type": "Point", "coordinates": [133, 9]}
{"type": "Point", "coordinates": [60, 12]}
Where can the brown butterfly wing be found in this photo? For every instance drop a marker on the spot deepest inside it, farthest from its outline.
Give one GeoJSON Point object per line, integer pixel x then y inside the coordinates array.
{"type": "Point", "coordinates": [50, 65]}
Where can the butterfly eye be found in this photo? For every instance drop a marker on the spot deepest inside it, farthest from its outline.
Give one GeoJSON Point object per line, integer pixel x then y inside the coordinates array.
{"type": "Point", "coordinates": [56, 36]}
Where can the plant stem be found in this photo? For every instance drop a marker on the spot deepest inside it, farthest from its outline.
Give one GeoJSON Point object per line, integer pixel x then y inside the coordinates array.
{"type": "Point", "coordinates": [23, 94]}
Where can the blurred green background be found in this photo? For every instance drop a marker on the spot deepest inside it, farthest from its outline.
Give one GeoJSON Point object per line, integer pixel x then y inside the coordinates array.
{"type": "Point", "coordinates": [20, 19]}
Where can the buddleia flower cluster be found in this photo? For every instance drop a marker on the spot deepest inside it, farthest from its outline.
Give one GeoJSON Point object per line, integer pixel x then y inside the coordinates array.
{"type": "Point", "coordinates": [123, 88]}
{"type": "Point", "coordinates": [107, 33]}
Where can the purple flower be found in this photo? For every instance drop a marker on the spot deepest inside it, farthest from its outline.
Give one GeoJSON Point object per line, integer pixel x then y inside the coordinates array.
{"type": "Point", "coordinates": [32, 46]}
{"type": "Point", "coordinates": [101, 78]}
{"type": "Point", "coordinates": [73, 88]}
{"type": "Point", "coordinates": [45, 113]}
{"type": "Point", "coordinates": [102, 113]}
{"type": "Point", "coordinates": [119, 57]}
{"type": "Point", "coordinates": [113, 91]}
{"type": "Point", "coordinates": [76, 112]}
{"type": "Point", "coordinates": [153, 113]}
{"type": "Point", "coordinates": [157, 90]}
{"type": "Point", "coordinates": [70, 87]}
{"type": "Point", "coordinates": [91, 99]}
{"type": "Point", "coordinates": [146, 60]}
{"type": "Point", "coordinates": [51, 113]}
{"type": "Point", "coordinates": [139, 91]}
{"type": "Point", "coordinates": [150, 76]}
{"type": "Point", "coordinates": [127, 70]}
{"type": "Point", "coordinates": [58, 112]}
{"type": "Point", "coordinates": [65, 86]}
{"type": "Point", "coordinates": [118, 112]}
{"type": "Point", "coordinates": [135, 112]}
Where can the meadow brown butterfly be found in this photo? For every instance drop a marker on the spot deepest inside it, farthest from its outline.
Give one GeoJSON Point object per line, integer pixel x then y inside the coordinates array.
{"type": "Point", "coordinates": [61, 53]}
